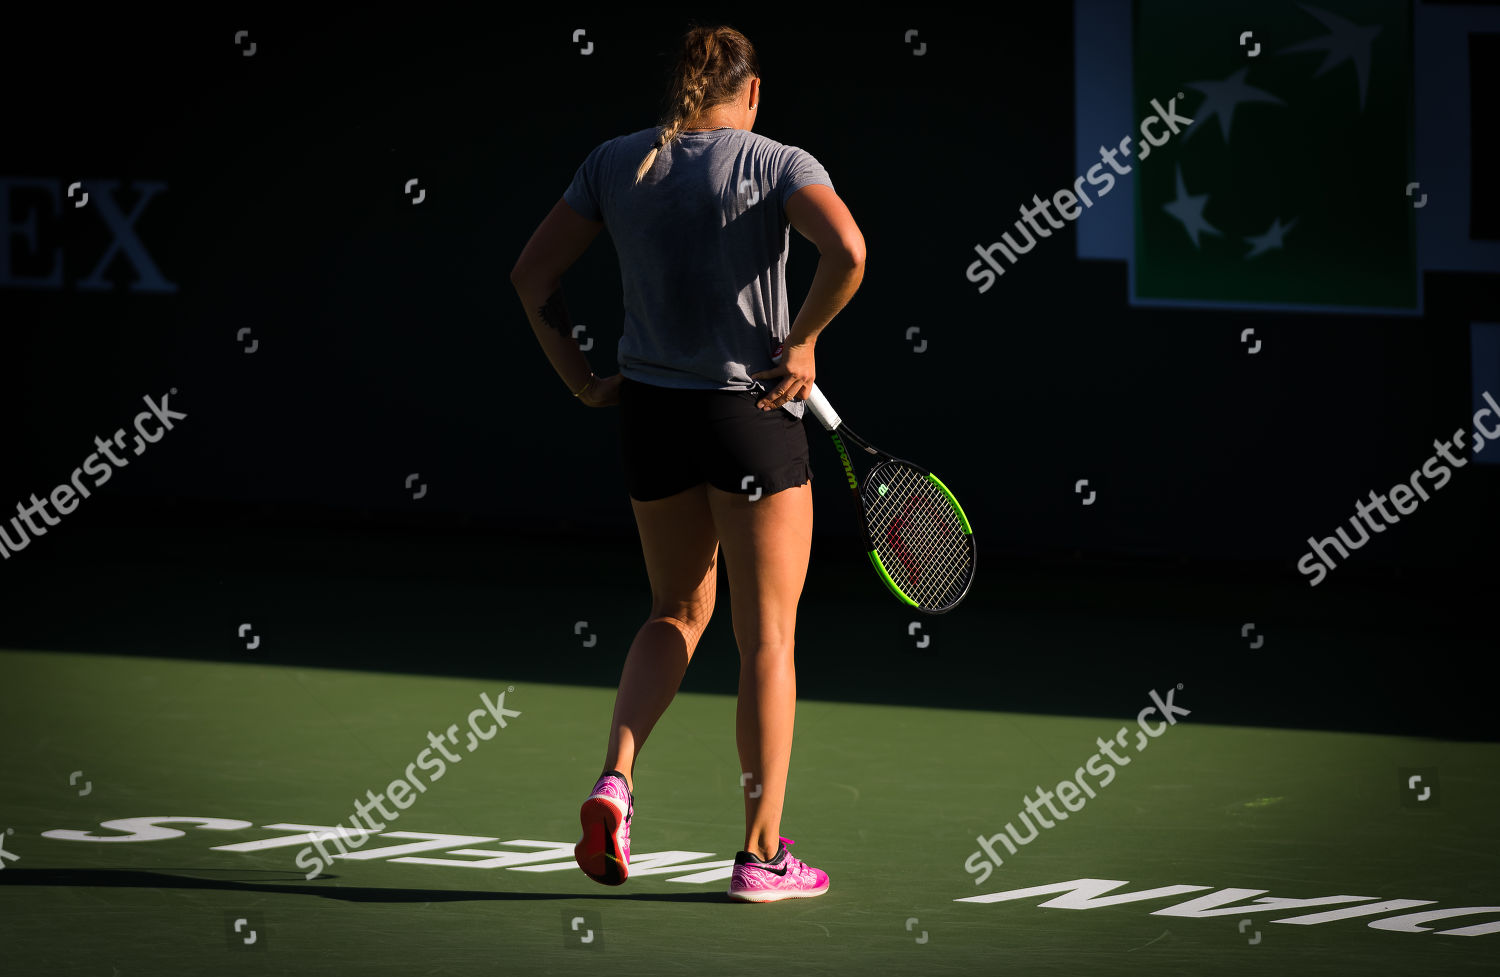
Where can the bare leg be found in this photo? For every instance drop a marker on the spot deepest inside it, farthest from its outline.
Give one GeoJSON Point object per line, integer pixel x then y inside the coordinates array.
{"type": "Point", "coordinates": [681, 551]}
{"type": "Point", "coordinates": [766, 548]}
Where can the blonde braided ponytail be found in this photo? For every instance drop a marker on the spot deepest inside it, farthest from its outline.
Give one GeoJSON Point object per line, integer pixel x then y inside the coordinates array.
{"type": "Point", "coordinates": [714, 64]}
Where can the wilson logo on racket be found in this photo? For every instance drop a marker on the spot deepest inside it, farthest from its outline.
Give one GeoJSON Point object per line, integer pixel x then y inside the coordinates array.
{"type": "Point", "coordinates": [849, 468]}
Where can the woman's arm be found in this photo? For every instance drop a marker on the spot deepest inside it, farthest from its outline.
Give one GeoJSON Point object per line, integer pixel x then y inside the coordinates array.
{"type": "Point", "coordinates": [820, 216]}
{"type": "Point", "coordinates": [556, 244]}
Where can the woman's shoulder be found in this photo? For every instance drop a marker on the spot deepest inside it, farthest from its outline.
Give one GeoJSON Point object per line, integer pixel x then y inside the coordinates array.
{"type": "Point", "coordinates": [774, 147]}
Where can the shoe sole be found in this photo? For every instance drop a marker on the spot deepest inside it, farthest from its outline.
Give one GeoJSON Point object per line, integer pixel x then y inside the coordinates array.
{"type": "Point", "coordinates": [775, 895]}
{"type": "Point", "coordinates": [597, 852]}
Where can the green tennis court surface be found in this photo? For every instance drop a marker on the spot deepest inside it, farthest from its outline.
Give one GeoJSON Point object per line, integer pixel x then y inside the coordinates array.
{"type": "Point", "coordinates": [889, 800]}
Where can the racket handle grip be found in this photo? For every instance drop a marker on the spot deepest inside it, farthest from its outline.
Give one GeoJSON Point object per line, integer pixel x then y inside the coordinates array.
{"type": "Point", "coordinates": [823, 410]}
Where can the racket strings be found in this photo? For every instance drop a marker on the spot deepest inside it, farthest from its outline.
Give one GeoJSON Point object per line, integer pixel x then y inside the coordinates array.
{"type": "Point", "coordinates": [928, 560]}
{"type": "Point", "coordinates": [918, 535]}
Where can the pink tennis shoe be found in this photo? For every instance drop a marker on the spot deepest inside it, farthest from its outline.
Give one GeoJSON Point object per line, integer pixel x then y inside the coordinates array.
{"type": "Point", "coordinates": [783, 877]}
{"type": "Point", "coordinates": [604, 850]}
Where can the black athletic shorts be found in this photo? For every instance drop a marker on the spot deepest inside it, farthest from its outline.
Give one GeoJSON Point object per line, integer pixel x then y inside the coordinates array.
{"type": "Point", "coordinates": [672, 439]}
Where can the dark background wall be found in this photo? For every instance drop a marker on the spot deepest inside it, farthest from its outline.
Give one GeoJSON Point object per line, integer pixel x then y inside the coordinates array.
{"type": "Point", "coordinates": [389, 341]}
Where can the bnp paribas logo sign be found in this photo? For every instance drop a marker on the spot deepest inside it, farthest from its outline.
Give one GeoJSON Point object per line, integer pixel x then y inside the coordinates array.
{"type": "Point", "coordinates": [57, 235]}
{"type": "Point", "coordinates": [1287, 189]}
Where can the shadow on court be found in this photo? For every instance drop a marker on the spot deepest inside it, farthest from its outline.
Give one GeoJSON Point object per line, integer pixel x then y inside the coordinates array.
{"type": "Point", "coordinates": [165, 879]}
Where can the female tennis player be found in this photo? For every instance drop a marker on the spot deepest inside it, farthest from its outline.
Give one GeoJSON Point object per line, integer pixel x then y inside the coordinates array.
{"type": "Point", "coordinates": [699, 209]}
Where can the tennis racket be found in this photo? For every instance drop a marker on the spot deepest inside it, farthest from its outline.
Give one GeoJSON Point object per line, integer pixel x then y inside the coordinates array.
{"type": "Point", "coordinates": [915, 532]}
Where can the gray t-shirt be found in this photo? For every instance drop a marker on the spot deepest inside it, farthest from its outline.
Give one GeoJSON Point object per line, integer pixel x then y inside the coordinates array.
{"type": "Point", "coordinates": [702, 241]}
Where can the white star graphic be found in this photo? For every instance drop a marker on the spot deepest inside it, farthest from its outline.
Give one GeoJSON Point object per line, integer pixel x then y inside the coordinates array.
{"type": "Point", "coordinates": [1189, 210]}
{"type": "Point", "coordinates": [1344, 42]}
{"type": "Point", "coordinates": [1220, 99]}
{"type": "Point", "coordinates": [1271, 239]}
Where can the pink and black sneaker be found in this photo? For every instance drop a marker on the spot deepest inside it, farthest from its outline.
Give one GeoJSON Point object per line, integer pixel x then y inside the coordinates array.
{"type": "Point", "coordinates": [783, 877]}
{"type": "Point", "coordinates": [604, 850]}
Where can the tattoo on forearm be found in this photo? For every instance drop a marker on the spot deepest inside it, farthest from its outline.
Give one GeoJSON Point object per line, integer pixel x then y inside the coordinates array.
{"type": "Point", "coordinates": [555, 314]}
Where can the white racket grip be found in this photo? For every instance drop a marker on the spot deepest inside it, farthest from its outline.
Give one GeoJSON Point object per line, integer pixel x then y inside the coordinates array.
{"type": "Point", "coordinates": [823, 410]}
